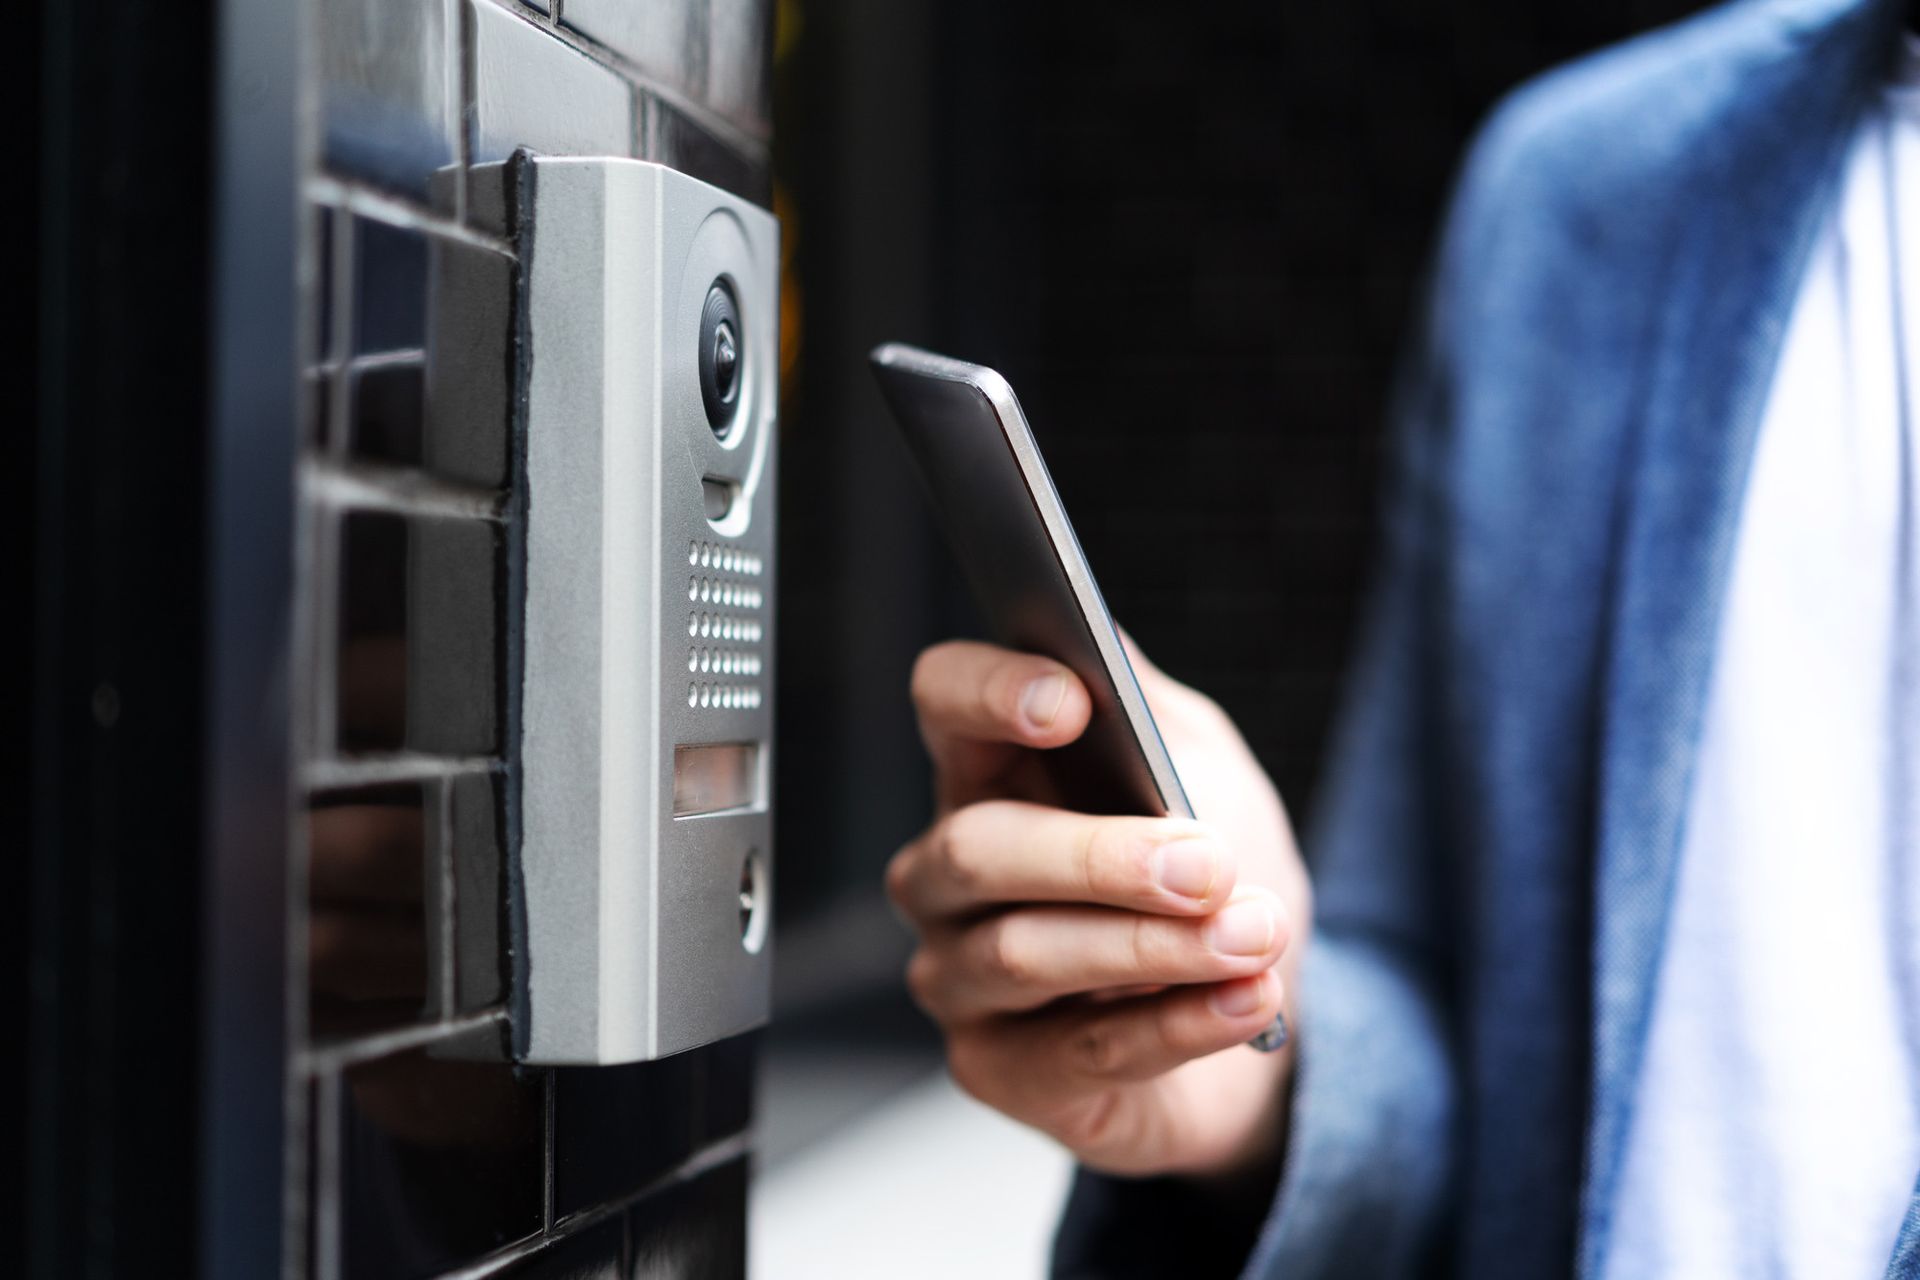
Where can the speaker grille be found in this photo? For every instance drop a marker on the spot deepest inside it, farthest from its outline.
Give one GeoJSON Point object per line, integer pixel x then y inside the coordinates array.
{"type": "Point", "coordinates": [726, 627]}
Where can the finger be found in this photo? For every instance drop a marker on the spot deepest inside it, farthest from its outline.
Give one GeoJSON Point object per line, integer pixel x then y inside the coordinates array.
{"type": "Point", "coordinates": [1036, 1066]}
{"type": "Point", "coordinates": [1006, 851]}
{"type": "Point", "coordinates": [972, 692]}
{"type": "Point", "coordinates": [1020, 960]}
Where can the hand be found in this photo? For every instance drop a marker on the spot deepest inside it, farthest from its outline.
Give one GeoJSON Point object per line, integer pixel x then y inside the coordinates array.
{"type": "Point", "coordinates": [1096, 977]}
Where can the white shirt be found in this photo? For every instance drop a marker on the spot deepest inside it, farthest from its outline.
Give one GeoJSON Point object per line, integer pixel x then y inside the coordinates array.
{"type": "Point", "coordinates": [1776, 1130]}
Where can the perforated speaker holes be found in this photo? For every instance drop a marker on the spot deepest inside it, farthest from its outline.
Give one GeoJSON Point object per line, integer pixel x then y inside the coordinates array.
{"type": "Point", "coordinates": [725, 627]}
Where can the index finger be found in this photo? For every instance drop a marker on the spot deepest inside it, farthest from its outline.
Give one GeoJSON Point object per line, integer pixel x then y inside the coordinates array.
{"type": "Point", "coordinates": [1000, 852]}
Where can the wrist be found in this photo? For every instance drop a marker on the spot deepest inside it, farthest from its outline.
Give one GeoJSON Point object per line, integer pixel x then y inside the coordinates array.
{"type": "Point", "coordinates": [1245, 1185]}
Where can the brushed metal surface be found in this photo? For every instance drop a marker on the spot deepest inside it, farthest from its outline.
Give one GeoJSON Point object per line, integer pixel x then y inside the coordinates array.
{"type": "Point", "coordinates": [648, 626]}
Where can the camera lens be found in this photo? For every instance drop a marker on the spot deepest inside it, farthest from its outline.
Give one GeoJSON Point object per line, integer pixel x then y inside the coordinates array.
{"type": "Point", "coordinates": [726, 360]}
{"type": "Point", "coordinates": [720, 357]}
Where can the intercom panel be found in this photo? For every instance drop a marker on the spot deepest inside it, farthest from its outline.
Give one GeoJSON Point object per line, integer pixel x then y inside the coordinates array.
{"type": "Point", "coordinates": [648, 340]}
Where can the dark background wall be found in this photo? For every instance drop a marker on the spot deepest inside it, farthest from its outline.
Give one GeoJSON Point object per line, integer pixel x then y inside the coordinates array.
{"type": "Point", "coordinates": [1191, 235]}
{"type": "Point", "coordinates": [418, 1149]}
{"type": "Point", "coordinates": [151, 480]}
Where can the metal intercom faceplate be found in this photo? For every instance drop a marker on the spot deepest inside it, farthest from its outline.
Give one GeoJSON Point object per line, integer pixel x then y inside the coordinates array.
{"type": "Point", "coordinates": [649, 339]}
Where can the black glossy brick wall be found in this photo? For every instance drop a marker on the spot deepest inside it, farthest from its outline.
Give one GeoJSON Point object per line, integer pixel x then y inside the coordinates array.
{"type": "Point", "coordinates": [425, 1150]}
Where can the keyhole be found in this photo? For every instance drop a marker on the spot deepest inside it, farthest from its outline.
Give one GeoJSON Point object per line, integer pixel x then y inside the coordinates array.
{"type": "Point", "coordinates": [753, 902]}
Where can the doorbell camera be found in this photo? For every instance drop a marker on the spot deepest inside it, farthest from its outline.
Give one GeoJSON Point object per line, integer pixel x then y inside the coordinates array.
{"type": "Point", "coordinates": [647, 354]}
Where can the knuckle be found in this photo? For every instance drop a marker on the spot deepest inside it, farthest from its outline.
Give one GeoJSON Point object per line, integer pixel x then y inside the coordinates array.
{"type": "Point", "coordinates": [1006, 953]}
{"type": "Point", "coordinates": [971, 1067]}
{"type": "Point", "coordinates": [1097, 1049]}
{"type": "Point", "coordinates": [899, 876]}
{"type": "Point", "coordinates": [1168, 1031]}
{"type": "Point", "coordinates": [1093, 1126]}
{"type": "Point", "coordinates": [926, 675]}
{"type": "Point", "coordinates": [923, 978]}
{"type": "Point", "coordinates": [956, 843]}
{"type": "Point", "coordinates": [1149, 951]}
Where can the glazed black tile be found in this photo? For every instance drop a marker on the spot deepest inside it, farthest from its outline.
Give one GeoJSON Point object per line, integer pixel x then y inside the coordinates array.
{"type": "Point", "coordinates": [372, 660]}
{"type": "Point", "coordinates": [437, 895]}
{"type": "Point", "coordinates": [693, 1231]}
{"type": "Point", "coordinates": [668, 42]}
{"type": "Point", "coordinates": [469, 362]}
{"type": "Point", "coordinates": [321, 1199]}
{"type": "Point", "coordinates": [367, 966]}
{"type": "Point", "coordinates": [418, 660]}
{"type": "Point", "coordinates": [384, 101]}
{"type": "Point", "coordinates": [453, 647]}
{"type": "Point", "coordinates": [384, 414]}
{"type": "Point", "coordinates": [317, 406]}
{"type": "Point", "coordinates": [727, 1086]}
{"type": "Point", "coordinates": [321, 286]}
{"type": "Point", "coordinates": [480, 894]}
{"type": "Point", "coordinates": [441, 1163]}
{"type": "Point", "coordinates": [531, 90]}
{"type": "Point", "coordinates": [615, 1129]}
{"type": "Point", "coordinates": [740, 63]}
{"type": "Point", "coordinates": [675, 140]}
{"type": "Point", "coordinates": [389, 287]}
{"type": "Point", "coordinates": [597, 1253]}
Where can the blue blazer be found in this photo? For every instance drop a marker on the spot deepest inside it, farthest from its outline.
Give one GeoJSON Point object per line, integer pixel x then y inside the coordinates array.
{"type": "Point", "coordinates": [1494, 853]}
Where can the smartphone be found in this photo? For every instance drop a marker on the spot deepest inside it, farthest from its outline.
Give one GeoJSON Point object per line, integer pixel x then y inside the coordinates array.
{"type": "Point", "coordinates": [992, 494]}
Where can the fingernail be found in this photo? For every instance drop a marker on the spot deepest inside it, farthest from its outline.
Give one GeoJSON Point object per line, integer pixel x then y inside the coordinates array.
{"type": "Point", "coordinates": [1187, 867]}
{"type": "Point", "coordinates": [1242, 929]}
{"type": "Point", "coordinates": [1235, 999]}
{"type": "Point", "coordinates": [1041, 701]}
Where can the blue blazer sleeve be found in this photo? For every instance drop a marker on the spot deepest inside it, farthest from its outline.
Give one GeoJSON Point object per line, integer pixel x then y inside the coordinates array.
{"type": "Point", "coordinates": [1371, 1136]}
